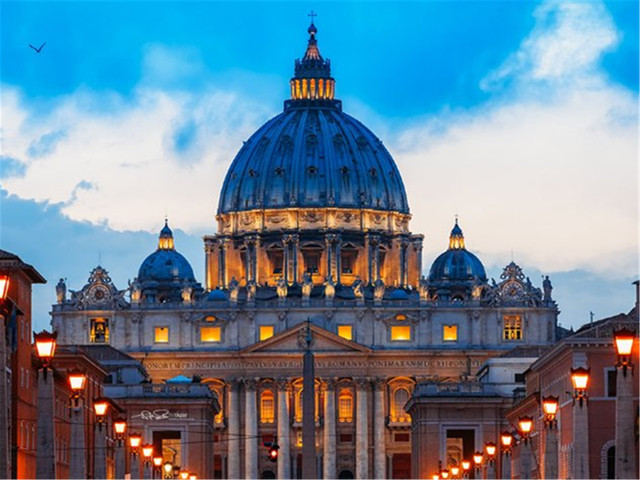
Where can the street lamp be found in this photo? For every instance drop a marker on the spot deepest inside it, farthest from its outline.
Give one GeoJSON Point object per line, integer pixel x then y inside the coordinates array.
{"type": "Point", "coordinates": [466, 466]}
{"type": "Point", "coordinates": [45, 348]}
{"type": "Point", "coordinates": [157, 465]}
{"type": "Point", "coordinates": [168, 470]}
{"type": "Point", "coordinates": [444, 474]}
{"type": "Point", "coordinates": [435, 476]}
{"type": "Point", "coordinates": [550, 409]}
{"type": "Point", "coordinates": [490, 449]}
{"type": "Point", "coordinates": [477, 460]}
{"type": "Point", "coordinates": [455, 471]}
{"type": "Point", "coordinates": [580, 380]}
{"type": "Point", "coordinates": [100, 407]}
{"type": "Point", "coordinates": [77, 380]}
{"type": "Point", "coordinates": [147, 453]}
{"type": "Point", "coordinates": [4, 287]}
{"type": "Point", "coordinates": [193, 476]}
{"type": "Point", "coordinates": [624, 345]}
{"type": "Point", "coordinates": [184, 475]}
{"type": "Point", "coordinates": [120, 427]}
{"type": "Point", "coordinates": [525, 425]}
{"type": "Point", "coordinates": [506, 440]}
{"type": "Point", "coordinates": [135, 440]}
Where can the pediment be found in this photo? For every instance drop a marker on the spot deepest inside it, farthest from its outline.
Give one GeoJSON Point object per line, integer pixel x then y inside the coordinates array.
{"type": "Point", "coordinates": [294, 340]}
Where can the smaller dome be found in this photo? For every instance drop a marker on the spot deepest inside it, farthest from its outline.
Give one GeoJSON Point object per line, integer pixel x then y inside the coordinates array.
{"type": "Point", "coordinates": [456, 265]}
{"type": "Point", "coordinates": [216, 296]}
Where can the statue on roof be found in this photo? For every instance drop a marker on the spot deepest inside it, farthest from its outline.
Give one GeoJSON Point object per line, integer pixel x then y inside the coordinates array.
{"type": "Point", "coordinates": [281, 288]}
{"type": "Point", "coordinates": [329, 287]}
{"type": "Point", "coordinates": [234, 288]}
{"type": "Point", "coordinates": [547, 288]}
{"type": "Point", "coordinates": [358, 288]}
{"type": "Point", "coordinates": [61, 291]}
{"type": "Point", "coordinates": [307, 284]}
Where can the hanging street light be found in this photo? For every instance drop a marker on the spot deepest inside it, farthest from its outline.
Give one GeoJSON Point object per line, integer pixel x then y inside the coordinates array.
{"type": "Point", "coordinates": [525, 425]}
{"type": "Point", "coordinates": [77, 380]}
{"type": "Point", "coordinates": [623, 340]}
{"type": "Point", "coordinates": [580, 380]}
{"type": "Point", "coordinates": [45, 348]}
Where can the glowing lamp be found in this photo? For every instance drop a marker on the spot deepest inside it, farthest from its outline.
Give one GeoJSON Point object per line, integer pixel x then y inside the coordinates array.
{"type": "Point", "coordinates": [444, 474]}
{"type": "Point", "coordinates": [435, 476]}
{"type": "Point", "coordinates": [193, 477]}
{"type": "Point", "coordinates": [168, 468]}
{"type": "Point", "coordinates": [477, 459]}
{"type": "Point", "coordinates": [184, 475]}
{"type": "Point", "coordinates": [120, 426]}
{"type": "Point", "coordinates": [550, 409]}
{"type": "Point", "coordinates": [4, 286]}
{"type": "Point", "coordinates": [455, 471]}
{"type": "Point", "coordinates": [580, 378]}
{"type": "Point", "coordinates": [506, 439]}
{"type": "Point", "coordinates": [100, 406]}
{"type": "Point", "coordinates": [77, 381]}
{"type": "Point", "coordinates": [466, 465]}
{"type": "Point", "coordinates": [45, 346]}
{"type": "Point", "coordinates": [157, 462]}
{"type": "Point", "coordinates": [624, 345]}
{"type": "Point", "coordinates": [525, 424]}
{"type": "Point", "coordinates": [147, 452]}
{"type": "Point", "coordinates": [135, 440]}
{"type": "Point", "coordinates": [490, 449]}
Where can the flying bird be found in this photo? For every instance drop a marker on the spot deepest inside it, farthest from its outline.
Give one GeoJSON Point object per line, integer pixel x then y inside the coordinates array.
{"type": "Point", "coordinates": [38, 50]}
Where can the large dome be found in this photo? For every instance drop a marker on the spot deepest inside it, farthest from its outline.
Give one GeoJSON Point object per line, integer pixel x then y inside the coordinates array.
{"type": "Point", "coordinates": [313, 154]}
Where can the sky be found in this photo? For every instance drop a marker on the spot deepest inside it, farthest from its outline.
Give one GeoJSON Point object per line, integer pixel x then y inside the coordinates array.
{"type": "Point", "coordinates": [519, 117]}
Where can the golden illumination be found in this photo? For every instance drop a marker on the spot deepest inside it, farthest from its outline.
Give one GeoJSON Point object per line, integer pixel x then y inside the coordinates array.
{"type": "Point", "coordinates": [512, 327]}
{"type": "Point", "coordinates": [525, 424]}
{"type": "Point", "coordinates": [450, 333]}
{"type": "Point", "coordinates": [211, 334]}
{"type": "Point", "coordinates": [345, 406]}
{"type": "Point", "coordinates": [580, 378]}
{"type": "Point", "coordinates": [400, 317]}
{"type": "Point", "coordinates": [184, 475]}
{"type": "Point", "coordinates": [157, 462]}
{"type": "Point", "coordinates": [166, 243]}
{"type": "Point", "coordinates": [120, 426]}
{"type": "Point", "coordinates": [77, 381]}
{"type": "Point", "coordinates": [506, 439]}
{"type": "Point", "coordinates": [455, 471]}
{"type": "Point", "coordinates": [45, 345]}
{"type": "Point", "coordinates": [4, 286]}
{"type": "Point", "coordinates": [147, 451]}
{"type": "Point", "coordinates": [490, 448]}
{"type": "Point", "coordinates": [161, 334]}
{"type": "Point", "coordinates": [193, 477]}
{"type": "Point", "coordinates": [477, 458]}
{"type": "Point", "coordinates": [345, 331]}
{"type": "Point", "coordinates": [444, 474]}
{"type": "Point", "coordinates": [400, 333]}
{"type": "Point", "coordinates": [466, 465]}
{"type": "Point", "coordinates": [267, 407]}
{"type": "Point", "coordinates": [100, 406]}
{"type": "Point", "coordinates": [624, 342]}
{"type": "Point", "coordinates": [168, 468]}
{"type": "Point", "coordinates": [550, 407]}
{"type": "Point", "coordinates": [210, 318]}
{"type": "Point", "coordinates": [135, 440]}
{"type": "Point", "coordinates": [435, 476]}
{"type": "Point", "coordinates": [266, 332]}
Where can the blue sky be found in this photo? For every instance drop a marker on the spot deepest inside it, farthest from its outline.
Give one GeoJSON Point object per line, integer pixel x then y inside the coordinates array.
{"type": "Point", "coordinates": [519, 116]}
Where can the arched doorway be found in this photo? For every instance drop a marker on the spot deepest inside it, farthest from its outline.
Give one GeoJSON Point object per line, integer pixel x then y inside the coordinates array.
{"type": "Point", "coordinates": [345, 474]}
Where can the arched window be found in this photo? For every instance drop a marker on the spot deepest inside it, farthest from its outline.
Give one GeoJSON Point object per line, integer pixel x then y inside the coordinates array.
{"type": "Point", "coordinates": [400, 398]}
{"type": "Point", "coordinates": [267, 407]}
{"type": "Point", "coordinates": [298, 405]}
{"type": "Point", "coordinates": [345, 406]}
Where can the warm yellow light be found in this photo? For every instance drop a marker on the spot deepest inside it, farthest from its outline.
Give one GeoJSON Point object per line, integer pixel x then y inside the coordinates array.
{"type": "Point", "coordinates": [147, 451]}
{"type": "Point", "coordinates": [444, 474]}
{"type": "Point", "coordinates": [624, 342]}
{"type": "Point", "coordinates": [120, 426]}
{"type": "Point", "coordinates": [506, 439]}
{"type": "Point", "coordinates": [161, 334]}
{"type": "Point", "coordinates": [435, 476]}
{"type": "Point", "coordinates": [135, 440]}
{"type": "Point", "coordinates": [184, 475]}
{"type": "Point", "coordinates": [100, 406]}
{"type": "Point", "coordinates": [345, 331]}
{"type": "Point", "coordinates": [450, 333]}
{"type": "Point", "coordinates": [525, 424]}
{"type": "Point", "coordinates": [400, 333]}
{"type": "Point", "coordinates": [193, 477]}
{"type": "Point", "coordinates": [580, 378]}
{"type": "Point", "coordinates": [400, 317]}
{"type": "Point", "coordinates": [477, 458]}
{"type": "Point", "coordinates": [550, 407]}
{"type": "Point", "coordinates": [466, 465]}
{"type": "Point", "coordinates": [76, 381]}
{"type": "Point", "coordinates": [266, 332]}
{"type": "Point", "coordinates": [455, 471]}
{"type": "Point", "coordinates": [490, 448]}
{"type": "Point", "coordinates": [45, 344]}
{"type": "Point", "coordinates": [210, 334]}
{"type": "Point", "coordinates": [157, 462]}
{"type": "Point", "coordinates": [168, 468]}
{"type": "Point", "coordinates": [4, 286]}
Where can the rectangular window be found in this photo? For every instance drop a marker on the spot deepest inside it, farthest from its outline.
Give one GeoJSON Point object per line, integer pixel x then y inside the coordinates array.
{"type": "Point", "coordinates": [347, 262]}
{"type": "Point", "coordinates": [450, 333]}
{"type": "Point", "coordinates": [512, 329]}
{"type": "Point", "coordinates": [267, 408]}
{"type": "Point", "coordinates": [345, 438]}
{"type": "Point", "coordinates": [345, 331]}
{"type": "Point", "coordinates": [266, 331]}
{"type": "Point", "coordinates": [277, 262]}
{"type": "Point", "coordinates": [99, 331]}
{"type": "Point", "coordinates": [611, 382]}
{"type": "Point", "coordinates": [210, 334]}
{"type": "Point", "coordinates": [161, 334]}
{"type": "Point", "coordinates": [519, 378]}
{"type": "Point", "coordinates": [400, 333]}
{"type": "Point", "coordinates": [311, 262]}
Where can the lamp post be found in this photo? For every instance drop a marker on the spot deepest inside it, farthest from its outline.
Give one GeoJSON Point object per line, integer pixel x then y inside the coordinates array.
{"type": "Point", "coordinates": [100, 408]}
{"type": "Point", "coordinates": [490, 450]}
{"type": "Point", "coordinates": [550, 458]}
{"type": "Point", "coordinates": [184, 475]}
{"type": "Point", "coordinates": [157, 466]}
{"type": "Point", "coordinates": [78, 462]}
{"type": "Point", "coordinates": [525, 426]}
{"type": "Point", "coordinates": [46, 448]}
{"type": "Point", "coordinates": [147, 453]}
{"type": "Point", "coordinates": [477, 463]}
{"type": "Point", "coordinates": [444, 474]}
{"type": "Point", "coordinates": [120, 428]}
{"type": "Point", "coordinates": [5, 393]}
{"type": "Point", "coordinates": [168, 470]}
{"type": "Point", "coordinates": [135, 440]}
{"type": "Point", "coordinates": [455, 472]}
{"type": "Point", "coordinates": [625, 441]}
{"type": "Point", "coordinates": [506, 440]}
{"type": "Point", "coordinates": [580, 463]}
{"type": "Point", "coordinates": [466, 466]}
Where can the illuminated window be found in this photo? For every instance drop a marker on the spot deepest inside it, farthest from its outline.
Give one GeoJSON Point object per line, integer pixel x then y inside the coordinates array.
{"type": "Point", "coordinates": [345, 406]}
{"type": "Point", "coordinates": [400, 333]}
{"type": "Point", "coordinates": [161, 334]}
{"type": "Point", "coordinates": [450, 333]}
{"type": "Point", "coordinates": [99, 332]}
{"type": "Point", "coordinates": [266, 331]}
{"type": "Point", "coordinates": [210, 318]}
{"type": "Point", "coordinates": [210, 334]}
{"type": "Point", "coordinates": [512, 329]}
{"type": "Point", "coordinates": [400, 317]}
{"type": "Point", "coordinates": [267, 407]}
{"type": "Point", "coordinates": [298, 405]}
{"type": "Point", "coordinates": [345, 331]}
{"type": "Point", "coordinates": [400, 398]}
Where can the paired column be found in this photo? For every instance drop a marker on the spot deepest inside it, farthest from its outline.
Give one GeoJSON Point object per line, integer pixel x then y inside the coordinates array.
{"type": "Point", "coordinates": [284, 441]}
{"type": "Point", "coordinates": [290, 244]}
{"type": "Point", "coordinates": [332, 243]}
{"type": "Point", "coordinates": [404, 264]}
{"type": "Point", "coordinates": [373, 249]}
{"type": "Point", "coordinates": [251, 243]}
{"type": "Point", "coordinates": [362, 429]}
{"type": "Point", "coordinates": [625, 438]}
{"type": "Point", "coordinates": [223, 244]}
{"type": "Point", "coordinates": [250, 429]}
{"type": "Point", "coordinates": [329, 453]}
{"type": "Point", "coordinates": [233, 418]}
{"type": "Point", "coordinates": [379, 429]}
{"type": "Point", "coordinates": [77, 461]}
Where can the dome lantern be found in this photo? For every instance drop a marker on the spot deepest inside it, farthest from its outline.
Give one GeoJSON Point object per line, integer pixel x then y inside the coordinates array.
{"type": "Point", "coordinates": [165, 239]}
{"type": "Point", "coordinates": [456, 238]}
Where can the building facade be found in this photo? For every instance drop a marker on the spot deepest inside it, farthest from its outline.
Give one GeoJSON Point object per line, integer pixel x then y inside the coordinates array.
{"type": "Point", "coordinates": [312, 229]}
